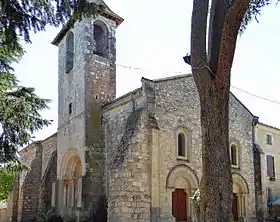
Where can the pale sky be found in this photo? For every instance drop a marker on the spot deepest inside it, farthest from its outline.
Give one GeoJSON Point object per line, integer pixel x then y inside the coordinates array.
{"type": "Point", "coordinates": [154, 37]}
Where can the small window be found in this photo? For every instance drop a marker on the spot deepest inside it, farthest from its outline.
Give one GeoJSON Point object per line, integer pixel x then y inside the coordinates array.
{"type": "Point", "coordinates": [270, 166]}
{"type": "Point", "coordinates": [70, 109]}
{"type": "Point", "coordinates": [234, 155]}
{"type": "Point", "coordinates": [69, 52]}
{"type": "Point", "coordinates": [181, 144]}
{"type": "Point", "coordinates": [268, 139]}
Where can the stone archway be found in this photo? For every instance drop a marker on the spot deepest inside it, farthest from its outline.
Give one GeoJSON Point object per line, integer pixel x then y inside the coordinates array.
{"type": "Point", "coordinates": [72, 184]}
{"type": "Point", "coordinates": [240, 194]}
{"type": "Point", "coordinates": [181, 184]}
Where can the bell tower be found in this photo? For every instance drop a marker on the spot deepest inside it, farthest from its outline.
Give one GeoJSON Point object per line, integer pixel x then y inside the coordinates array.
{"type": "Point", "coordinates": [86, 80]}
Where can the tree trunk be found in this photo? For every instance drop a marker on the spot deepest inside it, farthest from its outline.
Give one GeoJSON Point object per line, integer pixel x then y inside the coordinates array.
{"type": "Point", "coordinates": [216, 183]}
{"type": "Point", "coordinates": [213, 84]}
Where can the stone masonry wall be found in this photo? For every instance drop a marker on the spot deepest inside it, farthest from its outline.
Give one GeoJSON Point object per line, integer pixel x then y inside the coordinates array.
{"type": "Point", "coordinates": [27, 194]}
{"type": "Point", "coordinates": [100, 87]}
{"type": "Point", "coordinates": [49, 173]}
{"type": "Point", "coordinates": [30, 183]}
{"type": "Point", "coordinates": [127, 160]}
{"type": "Point", "coordinates": [3, 212]}
{"type": "Point", "coordinates": [46, 186]}
{"type": "Point", "coordinates": [49, 146]}
{"type": "Point", "coordinates": [71, 90]}
{"type": "Point", "coordinates": [177, 106]}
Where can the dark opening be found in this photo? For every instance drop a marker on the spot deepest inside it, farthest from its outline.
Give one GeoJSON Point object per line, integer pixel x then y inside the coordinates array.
{"type": "Point", "coordinates": [69, 52]}
{"type": "Point", "coordinates": [181, 144]}
{"type": "Point", "coordinates": [70, 109]}
{"type": "Point", "coordinates": [234, 207]}
{"type": "Point", "coordinates": [101, 40]}
{"type": "Point", "coordinates": [268, 139]}
{"type": "Point", "coordinates": [270, 166]}
{"type": "Point", "coordinates": [233, 151]}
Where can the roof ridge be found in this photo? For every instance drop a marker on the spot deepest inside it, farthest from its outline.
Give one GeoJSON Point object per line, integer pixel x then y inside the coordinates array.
{"type": "Point", "coordinates": [168, 77]}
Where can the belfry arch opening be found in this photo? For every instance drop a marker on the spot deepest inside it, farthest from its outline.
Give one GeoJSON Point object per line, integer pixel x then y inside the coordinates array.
{"type": "Point", "coordinates": [100, 33]}
{"type": "Point", "coordinates": [69, 63]}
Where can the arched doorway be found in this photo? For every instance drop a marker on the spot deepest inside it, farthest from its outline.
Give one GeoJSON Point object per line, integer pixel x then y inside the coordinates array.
{"type": "Point", "coordinates": [72, 185]}
{"type": "Point", "coordinates": [181, 184]}
{"type": "Point", "coordinates": [239, 197]}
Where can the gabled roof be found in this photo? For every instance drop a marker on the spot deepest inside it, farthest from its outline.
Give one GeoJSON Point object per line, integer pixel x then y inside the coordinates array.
{"type": "Point", "coordinates": [190, 75]}
{"type": "Point", "coordinates": [107, 13]}
{"type": "Point", "coordinates": [269, 126]}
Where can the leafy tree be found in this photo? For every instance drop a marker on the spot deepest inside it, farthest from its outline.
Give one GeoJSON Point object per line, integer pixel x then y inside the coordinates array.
{"type": "Point", "coordinates": [8, 174]}
{"type": "Point", "coordinates": [211, 67]}
{"type": "Point", "coordinates": [19, 106]}
{"type": "Point", "coordinates": [19, 17]}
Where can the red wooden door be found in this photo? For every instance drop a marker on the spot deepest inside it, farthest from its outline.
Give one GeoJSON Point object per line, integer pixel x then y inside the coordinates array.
{"type": "Point", "coordinates": [234, 207]}
{"type": "Point", "coordinates": [179, 205]}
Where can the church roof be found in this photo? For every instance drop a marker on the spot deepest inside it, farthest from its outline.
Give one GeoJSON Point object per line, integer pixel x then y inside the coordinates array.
{"type": "Point", "coordinates": [170, 78]}
{"type": "Point", "coordinates": [107, 13]}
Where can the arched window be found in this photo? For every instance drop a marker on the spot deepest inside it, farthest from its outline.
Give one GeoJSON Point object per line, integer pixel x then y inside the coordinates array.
{"type": "Point", "coordinates": [69, 52]}
{"type": "Point", "coordinates": [101, 39]}
{"type": "Point", "coordinates": [181, 144]}
{"type": "Point", "coordinates": [234, 155]}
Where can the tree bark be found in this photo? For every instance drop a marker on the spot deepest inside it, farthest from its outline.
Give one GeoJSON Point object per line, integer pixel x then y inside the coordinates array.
{"type": "Point", "coordinates": [231, 28]}
{"type": "Point", "coordinates": [216, 183]}
{"type": "Point", "coordinates": [213, 88]}
{"type": "Point", "coordinates": [219, 9]}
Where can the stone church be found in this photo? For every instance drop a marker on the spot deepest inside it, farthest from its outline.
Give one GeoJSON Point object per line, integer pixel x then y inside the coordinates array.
{"type": "Point", "coordinates": [134, 158]}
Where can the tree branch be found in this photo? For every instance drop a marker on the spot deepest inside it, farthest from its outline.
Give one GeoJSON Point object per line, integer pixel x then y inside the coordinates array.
{"type": "Point", "coordinates": [219, 9]}
{"type": "Point", "coordinates": [198, 36]}
{"type": "Point", "coordinates": [198, 31]}
{"type": "Point", "coordinates": [231, 28]}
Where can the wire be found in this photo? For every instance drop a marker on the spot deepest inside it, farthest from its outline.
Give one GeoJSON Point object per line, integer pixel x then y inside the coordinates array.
{"type": "Point", "coordinates": [259, 97]}
{"type": "Point", "coordinates": [237, 88]}
{"type": "Point", "coordinates": [206, 66]}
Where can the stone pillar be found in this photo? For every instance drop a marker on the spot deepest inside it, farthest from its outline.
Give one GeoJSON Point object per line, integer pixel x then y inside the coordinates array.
{"type": "Point", "coordinates": [244, 204]}
{"type": "Point", "coordinates": [78, 201]}
{"type": "Point", "coordinates": [155, 211]}
{"type": "Point", "coordinates": [60, 198]}
{"type": "Point", "coordinates": [239, 200]}
{"type": "Point", "coordinates": [79, 192]}
{"type": "Point", "coordinates": [54, 194]}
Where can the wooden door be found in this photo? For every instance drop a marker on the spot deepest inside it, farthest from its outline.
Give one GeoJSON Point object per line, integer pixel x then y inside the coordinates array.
{"type": "Point", "coordinates": [179, 205]}
{"type": "Point", "coordinates": [234, 207]}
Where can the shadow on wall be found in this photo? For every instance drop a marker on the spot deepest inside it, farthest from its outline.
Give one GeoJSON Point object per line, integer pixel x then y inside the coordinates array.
{"type": "Point", "coordinates": [130, 129]}
{"type": "Point", "coordinates": [99, 213]}
{"type": "Point", "coordinates": [31, 189]}
{"type": "Point", "coordinates": [46, 186]}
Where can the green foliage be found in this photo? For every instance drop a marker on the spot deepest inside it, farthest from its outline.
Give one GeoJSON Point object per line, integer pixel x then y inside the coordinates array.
{"type": "Point", "coordinates": [253, 12]}
{"type": "Point", "coordinates": [19, 107]}
{"type": "Point", "coordinates": [8, 174]}
{"type": "Point", "coordinates": [19, 119]}
{"type": "Point", "coordinates": [19, 17]}
{"type": "Point", "coordinates": [7, 179]}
